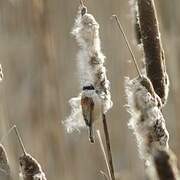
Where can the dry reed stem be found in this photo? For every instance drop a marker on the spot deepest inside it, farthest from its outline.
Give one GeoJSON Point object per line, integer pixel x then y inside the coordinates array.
{"type": "Point", "coordinates": [108, 147]}
{"type": "Point", "coordinates": [104, 154]}
{"type": "Point", "coordinates": [20, 140]}
{"type": "Point", "coordinates": [30, 168]}
{"type": "Point", "coordinates": [154, 54]}
{"type": "Point", "coordinates": [127, 44]}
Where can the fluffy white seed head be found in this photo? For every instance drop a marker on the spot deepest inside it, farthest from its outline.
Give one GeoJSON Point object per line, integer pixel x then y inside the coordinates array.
{"type": "Point", "coordinates": [90, 57]}
{"type": "Point", "coordinates": [86, 31]}
{"type": "Point", "coordinates": [75, 120]}
{"type": "Point", "coordinates": [92, 72]}
{"type": "Point", "coordinates": [146, 120]}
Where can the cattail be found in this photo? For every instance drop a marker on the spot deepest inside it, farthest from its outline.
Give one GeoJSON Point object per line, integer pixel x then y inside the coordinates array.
{"type": "Point", "coordinates": [4, 164]}
{"type": "Point", "coordinates": [147, 120]}
{"type": "Point", "coordinates": [5, 172]}
{"type": "Point", "coordinates": [95, 98]}
{"type": "Point", "coordinates": [165, 163]}
{"type": "Point", "coordinates": [154, 53]}
{"type": "Point", "coordinates": [30, 168]}
{"type": "Point", "coordinates": [144, 106]}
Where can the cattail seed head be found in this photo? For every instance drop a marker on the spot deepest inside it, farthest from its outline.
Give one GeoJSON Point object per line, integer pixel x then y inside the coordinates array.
{"type": "Point", "coordinates": [4, 164]}
{"type": "Point", "coordinates": [86, 30]}
{"type": "Point", "coordinates": [92, 75]}
{"type": "Point", "coordinates": [30, 168]}
{"type": "Point", "coordinates": [147, 120]}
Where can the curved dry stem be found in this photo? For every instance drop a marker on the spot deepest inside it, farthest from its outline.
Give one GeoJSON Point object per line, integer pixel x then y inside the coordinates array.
{"type": "Point", "coordinates": [127, 44]}
{"type": "Point", "coordinates": [20, 140]}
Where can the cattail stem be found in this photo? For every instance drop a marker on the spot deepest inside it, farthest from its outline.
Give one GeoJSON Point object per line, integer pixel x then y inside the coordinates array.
{"type": "Point", "coordinates": [165, 165]}
{"type": "Point", "coordinates": [108, 147]}
{"type": "Point", "coordinates": [104, 154]}
{"type": "Point", "coordinates": [20, 140]}
{"type": "Point", "coordinates": [127, 44]}
{"type": "Point", "coordinates": [154, 54]}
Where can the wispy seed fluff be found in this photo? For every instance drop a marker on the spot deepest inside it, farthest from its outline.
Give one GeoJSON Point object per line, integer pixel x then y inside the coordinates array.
{"type": "Point", "coordinates": [92, 73]}
{"type": "Point", "coordinates": [146, 120]}
{"type": "Point", "coordinates": [30, 168]}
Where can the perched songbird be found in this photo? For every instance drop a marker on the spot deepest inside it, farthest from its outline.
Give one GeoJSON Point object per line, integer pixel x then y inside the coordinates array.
{"type": "Point", "coordinates": [87, 110]}
{"type": "Point", "coordinates": [91, 108]}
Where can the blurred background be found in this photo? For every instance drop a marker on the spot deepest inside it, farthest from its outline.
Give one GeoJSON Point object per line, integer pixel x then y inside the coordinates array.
{"type": "Point", "coordinates": [38, 56]}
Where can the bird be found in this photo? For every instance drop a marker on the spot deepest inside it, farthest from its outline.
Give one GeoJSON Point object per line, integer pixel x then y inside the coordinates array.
{"type": "Point", "coordinates": [87, 105]}
{"type": "Point", "coordinates": [91, 105]}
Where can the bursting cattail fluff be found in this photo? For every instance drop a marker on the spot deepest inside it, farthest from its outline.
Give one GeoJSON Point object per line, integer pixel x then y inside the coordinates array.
{"type": "Point", "coordinates": [92, 74]}
{"type": "Point", "coordinates": [4, 164]}
{"type": "Point", "coordinates": [30, 168]}
{"type": "Point", "coordinates": [146, 120]}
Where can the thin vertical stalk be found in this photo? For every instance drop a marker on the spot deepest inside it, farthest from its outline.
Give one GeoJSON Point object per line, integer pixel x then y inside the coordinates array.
{"type": "Point", "coordinates": [104, 154]}
{"type": "Point", "coordinates": [108, 147]}
{"type": "Point", "coordinates": [127, 44]}
{"type": "Point", "coordinates": [20, 140]}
